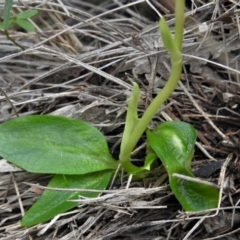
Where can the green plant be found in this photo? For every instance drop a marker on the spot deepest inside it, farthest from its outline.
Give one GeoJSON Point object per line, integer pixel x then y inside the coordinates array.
{"type": "Point", "coordinates": [20, 19]}
{"type": "Point", "coordinates": [78, 154]}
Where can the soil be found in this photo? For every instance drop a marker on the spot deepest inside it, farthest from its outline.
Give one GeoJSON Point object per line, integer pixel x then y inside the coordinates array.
{"type": "Point", "coordinates": [80, 63]}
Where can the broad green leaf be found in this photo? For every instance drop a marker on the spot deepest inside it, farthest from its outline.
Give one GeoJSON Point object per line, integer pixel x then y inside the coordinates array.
{"type": "Point", "coordinates": [177, 140]}
{"type": "Point", "coordinates": [52, 202]}
{"type": "Point", "coordinates": [53, 144]}
{"type": "Point", "coordinates": [174, 142]}
{"type": "Point", "coordinates": [6, 12]}
{"type": "Point", "coordinates": [26, 14]}
{"type": "Point", "coordinates": [194, 196]}
{"type": "Point", "coordinates": [25, 24]}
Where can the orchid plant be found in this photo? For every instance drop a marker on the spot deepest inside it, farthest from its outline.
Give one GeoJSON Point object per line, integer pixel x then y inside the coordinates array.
{"type": "Point", "coordinates": [78, 155]}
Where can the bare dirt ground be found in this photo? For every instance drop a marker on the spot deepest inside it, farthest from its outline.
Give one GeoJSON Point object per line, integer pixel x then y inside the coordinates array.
{"type": "Point", "coordinates": [79, 63]}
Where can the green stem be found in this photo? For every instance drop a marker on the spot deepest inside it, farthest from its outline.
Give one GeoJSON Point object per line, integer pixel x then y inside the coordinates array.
{"type": "Point", "coordinates": [12, 40]}
{"type": "Point", "coordinates": [179, 23]}
{"type": "Point", "coordinates": [163, 95]}
{"type": "Point", "coordinates": [129, 167]}
{"type": "Point", "coordinates": [151, 111]}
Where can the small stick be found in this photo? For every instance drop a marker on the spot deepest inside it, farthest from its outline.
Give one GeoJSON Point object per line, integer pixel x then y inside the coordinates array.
{"type": "Point", "coordinates": [193, 179]}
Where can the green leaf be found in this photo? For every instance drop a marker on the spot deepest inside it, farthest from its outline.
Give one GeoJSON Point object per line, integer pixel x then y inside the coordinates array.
{"type": "Point", "coordinates": [52, 202]}
{"type": "Point", "coordinates": [174, 142]}
{"type": "Point", "coordinates": [177, 140]}
{"type": "Point", "coordinates": [166, 35]}
{"type": "Point", "coordinates": [53, 144]}
{"type": "Point", "coordinates": [10, 22]}
{"type": "Point", "coordinates": [194, 196]}
{"type": "Point", "coordinates": [26, 14]}
{"type": "Point", "coordinates": [169, 43]}
{"type": "Point", "coordinates": [149, 159]}
{"type": "Point", "coordinates": [142, 172]}
{"type": "Point", "coordinates": [25, 24]}
{"type": "Point", "coordinates": [6, 12]}
{"type": "Point", "coordinates": [131, 122]}
{"type": "Point", "coordinates": [131, 118]}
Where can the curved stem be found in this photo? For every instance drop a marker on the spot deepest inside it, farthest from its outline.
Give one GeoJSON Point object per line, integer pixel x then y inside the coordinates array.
{"type": "Point", "coordinates": [151, 111]}
{"type": "Point", "coordinates": [163, 95]}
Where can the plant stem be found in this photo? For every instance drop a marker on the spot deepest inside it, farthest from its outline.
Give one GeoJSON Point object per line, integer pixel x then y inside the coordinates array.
{"type": "Point", "coordinates": [166, 91]}
{"type": "Point", "coordinates": [179, 23]}
{"type": "Point", "coordinates": [152, 109]}
{"type": "Point", "coordinates": [12, 40]}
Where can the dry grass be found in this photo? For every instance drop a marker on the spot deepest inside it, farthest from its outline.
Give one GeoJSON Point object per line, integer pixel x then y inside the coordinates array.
{"type": "Point", "coordinates": [80, 63]}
